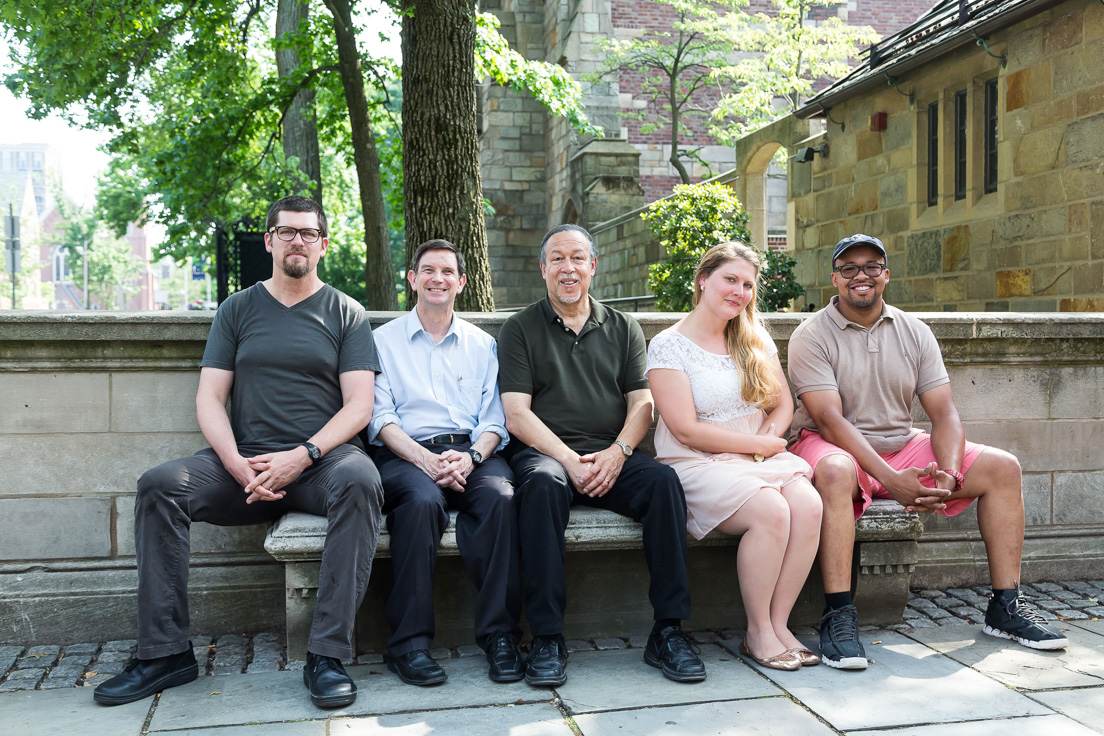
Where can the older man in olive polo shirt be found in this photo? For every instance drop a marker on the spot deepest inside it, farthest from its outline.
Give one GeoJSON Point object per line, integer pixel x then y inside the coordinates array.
{"type": "Point", "coordinates": [571, 372]}
{"type": "Point", "coordinates": [856, 366]}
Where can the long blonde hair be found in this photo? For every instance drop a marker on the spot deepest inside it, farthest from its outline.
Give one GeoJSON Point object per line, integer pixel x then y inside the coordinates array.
{"type": "Point", "coordinates": [742, 333]}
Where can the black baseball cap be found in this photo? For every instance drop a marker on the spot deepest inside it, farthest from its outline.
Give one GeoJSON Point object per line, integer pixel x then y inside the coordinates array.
{"type": "Point", "coordinates": [858, 239]}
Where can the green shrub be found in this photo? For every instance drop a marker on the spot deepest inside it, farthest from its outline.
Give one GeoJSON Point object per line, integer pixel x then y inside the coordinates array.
{"type": "Point", "coordinates": [691, 221]}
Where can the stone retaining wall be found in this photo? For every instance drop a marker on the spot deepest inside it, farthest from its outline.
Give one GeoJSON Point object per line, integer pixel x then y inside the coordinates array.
{"type": "Point", "coordinates": [89, 401]}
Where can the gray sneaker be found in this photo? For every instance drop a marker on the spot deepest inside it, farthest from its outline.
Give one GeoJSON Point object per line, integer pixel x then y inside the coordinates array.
{"type": "Point", "coordinates": [839, 639]}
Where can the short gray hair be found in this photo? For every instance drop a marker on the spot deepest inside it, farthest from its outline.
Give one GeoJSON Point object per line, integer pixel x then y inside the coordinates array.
{"type": "Point", "coordinates": [563, 229]}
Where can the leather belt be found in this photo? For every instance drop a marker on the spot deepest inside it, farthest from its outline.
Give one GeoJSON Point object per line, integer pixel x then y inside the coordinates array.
{"type": "Point", "coordinates": [449, 439]}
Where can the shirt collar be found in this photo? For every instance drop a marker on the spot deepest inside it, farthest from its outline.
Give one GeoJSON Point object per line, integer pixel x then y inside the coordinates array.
{"type": "Point", "coordinates": [413, 326]}
{"type": "Point", "coordinates": [599, 313]}
{"type": "Point", "coordinates": [841, 322]}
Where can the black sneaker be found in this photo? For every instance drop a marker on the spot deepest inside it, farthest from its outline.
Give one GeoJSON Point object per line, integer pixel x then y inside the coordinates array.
{"type": "Point", "coordinates": [670, 651]}
{"type": "Point", "coordinates": [1010, 617]}
{"type": "Point", "coordinates": [547, 663]}
{"type": "Point", "coordinates": [839, 639]}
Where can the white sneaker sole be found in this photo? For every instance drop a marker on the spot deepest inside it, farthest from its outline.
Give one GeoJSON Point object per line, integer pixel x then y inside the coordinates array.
{"type": "Point", "coordinates": [846, 663]}
{"type": "Point", "coordinates": [1047, 644]}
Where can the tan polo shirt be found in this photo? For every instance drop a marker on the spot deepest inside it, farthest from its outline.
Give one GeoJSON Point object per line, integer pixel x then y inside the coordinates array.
{"type": "Point", "coordinates": [877, 372]}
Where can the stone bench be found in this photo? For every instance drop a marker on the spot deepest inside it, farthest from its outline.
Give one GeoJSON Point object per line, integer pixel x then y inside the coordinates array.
{"type": "Point", "coordinates": [609, 591]}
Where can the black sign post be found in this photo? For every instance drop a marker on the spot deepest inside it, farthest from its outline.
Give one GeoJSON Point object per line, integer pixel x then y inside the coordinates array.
{"type": "Point", "coordinates": [11, 253]}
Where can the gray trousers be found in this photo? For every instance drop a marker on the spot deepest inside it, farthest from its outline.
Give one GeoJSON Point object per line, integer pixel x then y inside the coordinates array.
{"type": "Point", "coordinates": [343, 486]}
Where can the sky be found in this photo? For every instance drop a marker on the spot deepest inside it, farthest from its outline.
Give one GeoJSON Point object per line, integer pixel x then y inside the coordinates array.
{"type": "Point", "coordinates": [81, 161]}
{"type": "Point", "coordinates": [77, 148]}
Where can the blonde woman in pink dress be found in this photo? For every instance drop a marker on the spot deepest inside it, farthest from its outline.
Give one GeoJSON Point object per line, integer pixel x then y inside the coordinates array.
{"type": "Point", "coordinates": [724, 407]}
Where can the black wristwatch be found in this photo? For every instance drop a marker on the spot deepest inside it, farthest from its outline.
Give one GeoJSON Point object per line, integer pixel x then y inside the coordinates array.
{"type": "Point", "coordinates": [476, 456]}
{"type": "Point", "coordinates": [312, 452]}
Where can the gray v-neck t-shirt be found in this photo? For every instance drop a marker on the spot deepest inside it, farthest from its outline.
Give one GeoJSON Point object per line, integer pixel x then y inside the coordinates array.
{"type": "Point", "coordinates": [287, 362]}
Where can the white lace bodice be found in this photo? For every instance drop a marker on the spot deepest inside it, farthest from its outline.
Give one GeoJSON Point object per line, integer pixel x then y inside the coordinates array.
{"type": "Point", "coordinates": [714, 379]}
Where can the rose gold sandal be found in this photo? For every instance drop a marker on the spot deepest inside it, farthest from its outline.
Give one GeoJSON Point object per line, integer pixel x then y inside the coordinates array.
{"type": "Point", "coordinates": [806, 657]}
{"type": "Point", "coordinates": [787, 660]}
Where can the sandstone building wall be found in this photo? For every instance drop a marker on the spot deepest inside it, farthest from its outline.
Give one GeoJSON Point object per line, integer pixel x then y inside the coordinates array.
{"type": "Point", "coordinates": [1036, 243]}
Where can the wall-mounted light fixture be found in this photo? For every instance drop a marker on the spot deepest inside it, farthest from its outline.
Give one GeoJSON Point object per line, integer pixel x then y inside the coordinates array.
{"type": "Point", "coordinates": [805, 155]}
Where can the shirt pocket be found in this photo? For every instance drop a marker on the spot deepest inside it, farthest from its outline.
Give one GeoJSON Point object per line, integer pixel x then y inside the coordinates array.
{"type": "Point", "coordinates": [471, 397]}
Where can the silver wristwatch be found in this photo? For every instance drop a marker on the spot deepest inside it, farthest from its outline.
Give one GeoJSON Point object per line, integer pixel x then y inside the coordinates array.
{"type": "Point", "coordinates": [626, 448]}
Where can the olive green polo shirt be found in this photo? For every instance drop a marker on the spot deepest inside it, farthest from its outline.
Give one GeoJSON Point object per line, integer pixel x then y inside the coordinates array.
{"type": "Point", "coordinates": [577, 382]}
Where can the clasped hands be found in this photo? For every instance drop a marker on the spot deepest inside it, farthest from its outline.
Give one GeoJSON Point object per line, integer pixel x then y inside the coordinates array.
{"type": "Point", "coordinates": [449, 469]}
{"type": "Point", "coordinates": [906, 489]}
{"type": "Point", "coordinates": [768, 443]}
{"type": "Point", "coordinates": [595, 473]}
{"type": "Point", "coordinates": [264, 477]}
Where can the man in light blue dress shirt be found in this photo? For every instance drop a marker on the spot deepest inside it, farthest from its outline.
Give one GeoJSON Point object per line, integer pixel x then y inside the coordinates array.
{"type": "Point", "coordinates": [439, 419]}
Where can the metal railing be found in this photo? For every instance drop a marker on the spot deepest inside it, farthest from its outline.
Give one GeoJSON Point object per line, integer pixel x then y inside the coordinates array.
{"type": "Point", "coordinates": [623, 303]}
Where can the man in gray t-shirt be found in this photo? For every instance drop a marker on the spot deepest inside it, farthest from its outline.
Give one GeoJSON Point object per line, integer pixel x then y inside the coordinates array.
{"type": "Point", "coordinates": [296, 361]}
{"type": "Point", "coordinates": [856, 367]}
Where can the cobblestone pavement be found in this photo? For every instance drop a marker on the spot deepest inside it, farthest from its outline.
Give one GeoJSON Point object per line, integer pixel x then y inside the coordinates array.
{"type": "Point", "coordinates": [46, 667]}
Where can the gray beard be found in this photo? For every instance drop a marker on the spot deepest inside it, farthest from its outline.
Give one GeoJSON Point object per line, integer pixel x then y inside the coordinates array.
{"type": "Point", "coordinates": [569, 300]}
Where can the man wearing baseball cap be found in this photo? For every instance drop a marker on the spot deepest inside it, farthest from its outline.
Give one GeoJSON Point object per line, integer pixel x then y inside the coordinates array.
{"type": "Point", "coordinates": [856, 366]}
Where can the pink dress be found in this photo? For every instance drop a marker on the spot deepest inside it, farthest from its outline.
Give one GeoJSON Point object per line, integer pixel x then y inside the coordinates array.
{"type": "Point", "coordinates": [715, 490]}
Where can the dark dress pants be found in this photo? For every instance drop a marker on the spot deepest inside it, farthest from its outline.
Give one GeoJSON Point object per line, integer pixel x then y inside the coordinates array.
{"type": "Point", "coordinates": [486, 533]}
{"type": "Point", "coordinates": [645, 491]}
{"type": "Point", "coordinates": [343, 486]}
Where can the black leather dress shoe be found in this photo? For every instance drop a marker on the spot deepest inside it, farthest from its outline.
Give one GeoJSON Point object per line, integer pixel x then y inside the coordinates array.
{"type": "Point", "coordinates": [143, 677]}
{"type": "Point", "coordinates": [327, 682]}
{"type": "Point", "coordinates": [547, 665]}
{"type": "Point", "coordinates": [670, 651]}
{"type": "Point", "coordinates": [504, 658]}
{"type": "Point", "coordinates": [417, 668]}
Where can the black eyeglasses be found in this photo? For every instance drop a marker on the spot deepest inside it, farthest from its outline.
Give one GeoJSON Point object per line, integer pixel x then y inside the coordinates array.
{"type": "Point", "coordinates": [286, 233]}
{"type": "Point", "coordinates": [873, 270]}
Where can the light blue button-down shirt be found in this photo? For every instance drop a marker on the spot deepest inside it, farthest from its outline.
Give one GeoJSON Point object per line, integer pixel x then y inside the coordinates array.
{"type": "Point", "coordinates": [427, 389]}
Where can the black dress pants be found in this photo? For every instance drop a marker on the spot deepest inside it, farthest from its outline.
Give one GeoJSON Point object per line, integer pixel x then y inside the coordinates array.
{"type": "Point", "coordinates": [486, 533]}
{"type": "Point", "coordinates": [343, 486]}
{"type": "Point", "coordinates": [645, 491]}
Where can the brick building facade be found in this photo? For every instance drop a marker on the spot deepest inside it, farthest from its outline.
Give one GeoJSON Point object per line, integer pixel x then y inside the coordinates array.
{"type": "Point", "coordinates": [537, 172]}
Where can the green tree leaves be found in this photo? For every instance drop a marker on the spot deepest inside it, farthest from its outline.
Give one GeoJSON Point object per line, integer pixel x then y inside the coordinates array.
{"type": "Point", "coordinates": [690, 222]}
{"type": "Point", "coordinates": [790, 53]}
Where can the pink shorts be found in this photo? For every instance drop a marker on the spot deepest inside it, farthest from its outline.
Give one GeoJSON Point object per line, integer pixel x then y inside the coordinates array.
{"type": "Point", "coordinates": [812, 448]}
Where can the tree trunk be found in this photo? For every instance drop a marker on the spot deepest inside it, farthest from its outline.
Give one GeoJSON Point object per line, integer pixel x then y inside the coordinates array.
{"type": "Point", "coordinates": [300, 135]}
{"type": "Point", "coordinates": [443, 186]}
{"type": "Point", "coordinates": [676, 108]}
{"type": "Point", "coordinates": [378, 273]}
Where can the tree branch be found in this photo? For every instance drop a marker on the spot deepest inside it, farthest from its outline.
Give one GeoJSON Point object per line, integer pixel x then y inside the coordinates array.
{"type": "Point", "coordinates": [253, 10]}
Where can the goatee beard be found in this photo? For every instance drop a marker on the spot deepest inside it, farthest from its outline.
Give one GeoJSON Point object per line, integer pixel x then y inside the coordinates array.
{"type": "Point", "coordinates": [294, 270]}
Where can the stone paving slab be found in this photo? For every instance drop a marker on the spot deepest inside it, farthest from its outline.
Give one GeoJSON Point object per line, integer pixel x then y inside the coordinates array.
{"type": "Point", "coordinates": [619, 679]}
{"type": "Point", "coordinates": [518, 720]}
{"type": "Point", "coordinates": [245, 699]}
{"type": "Point", "coordinates": [729, 718]}
{"type": "Point", "coordinates": [1081, 664]}
{"type": "Point", "coordinates": [1096, 627]}
{"type": "Point", "coordinates": [68, 711]}
{"type": "Point", "coordinates": [923, 686]}
{"type": "Point", "coordinates": [1054, 725]}
{"type": "Point", "coordinates": [1085, 705]}
{"type": "Point", "coordinates": [297, 728]}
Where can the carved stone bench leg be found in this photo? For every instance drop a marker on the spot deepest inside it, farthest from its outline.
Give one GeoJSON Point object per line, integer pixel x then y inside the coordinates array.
{"type": "Point", "coordinates": [301, 580]}
{"type": "Point", "coordinates": [882, 582]}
